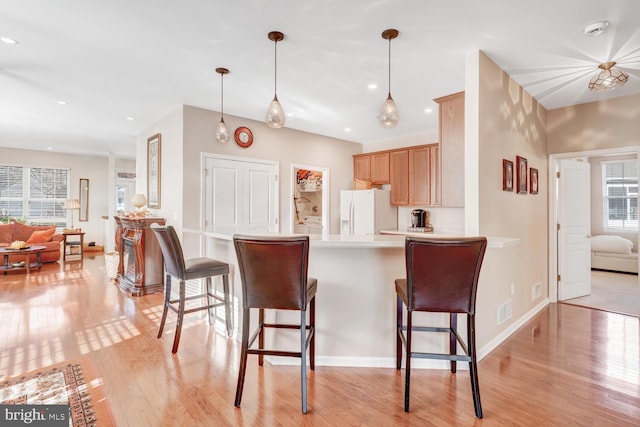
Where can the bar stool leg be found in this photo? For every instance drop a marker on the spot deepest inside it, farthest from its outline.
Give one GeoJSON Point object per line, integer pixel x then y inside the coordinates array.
{"type": "Point", "coordinates": [453, 342]}
{"type": "Point", "coordinates": [398, 333]}
{"type": "Point", "coordinates": [261, 335]}
{"type": "Point", "coordinates": [167, 297]}
{"type": "Point", "coordinates": [210, 300]}
{"type": "Point", "coordinates": [227, 305]}
{"type": "Point", "coordinates": [473, 366]}
{"type": "Point", "coordinates": [243, 355]}
{"type": "Point", "coordinates": [408, 362]}
{"type": "Point", "coordinates": [181, 305]}
{"type": "Point", "coordinates": [312, 323]}
{"type": "Point", "coordinates": [303, 359]}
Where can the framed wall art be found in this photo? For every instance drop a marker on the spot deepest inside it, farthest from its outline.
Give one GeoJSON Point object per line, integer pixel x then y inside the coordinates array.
{"type": "Point", "coordinates": [533, 181]}
{"type": "Point", "coordinates": [521, 168]}
{"type": "Point", "coordinates": [154, 171]}
{"type": "Point", "coordinates": [507, 175]}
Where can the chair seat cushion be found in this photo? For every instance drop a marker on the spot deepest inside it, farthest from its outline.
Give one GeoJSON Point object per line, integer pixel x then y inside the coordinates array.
{"type": "Point", "coordinates": [312, 287]}
{"type": "Point", "coordinates": [204, 267]}
{"type": "Point", "coordinates": [401, 291]}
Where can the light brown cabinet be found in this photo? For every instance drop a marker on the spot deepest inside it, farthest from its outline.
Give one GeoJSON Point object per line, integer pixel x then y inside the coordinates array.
{"type": "Point", "coordinates": [452, 149]}
{"type": "Point", "coordinates": [414, 176]}
{"type": "Point", "coordinates": [373, 167]}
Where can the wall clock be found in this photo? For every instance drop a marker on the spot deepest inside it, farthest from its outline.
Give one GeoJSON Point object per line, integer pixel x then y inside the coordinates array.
{"type": "Point", "coordinates": [243, 137]}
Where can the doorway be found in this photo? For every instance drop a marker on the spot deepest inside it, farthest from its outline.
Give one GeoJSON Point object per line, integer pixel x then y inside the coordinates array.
{"type": "Point", "coordinates": [557, 198]}
{"type": "Point", "coordinates": [309, 199]}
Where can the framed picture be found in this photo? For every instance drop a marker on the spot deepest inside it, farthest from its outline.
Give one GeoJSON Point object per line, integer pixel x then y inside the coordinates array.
{"type": "Point", "coordinates": [153, 171]}
{"type": "Point", "coordinates": [507, 175]}
{"type": "Point", "coordinates": [521, 182]}
{"type": "Point", "coordinates": [533, 181]}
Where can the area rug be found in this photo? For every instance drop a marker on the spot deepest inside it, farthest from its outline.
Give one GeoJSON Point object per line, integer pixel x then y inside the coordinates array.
{"type": "Point", "coordinates": [60, 385]}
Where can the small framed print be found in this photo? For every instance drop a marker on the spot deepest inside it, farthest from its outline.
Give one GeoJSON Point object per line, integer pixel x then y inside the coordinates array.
{"type": "Point", "coordinates": [533, 181]}
{"type": "Point", "coordinates": [507, 175]}
{"type": "Point", "coordinates": [521, 182]}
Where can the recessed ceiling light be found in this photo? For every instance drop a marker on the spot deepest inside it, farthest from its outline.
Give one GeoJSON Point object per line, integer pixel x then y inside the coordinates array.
{"type": "Point", "coordinates": [347, 129]}
{"type": "Point", "coordinates": [8, 40]}
{"type": "Point", "coordinates": [373, 86]}
{"type": "Point", "coordinates": [596, 28]}
{"type": "Point", "coordinates": [129, 118]}
{"type": "Point", "coordinates": [49, 148]}
{"type": "Point", "coordinates": [62, 102]}
{"type": "Point", "coordinates": [428, 110]}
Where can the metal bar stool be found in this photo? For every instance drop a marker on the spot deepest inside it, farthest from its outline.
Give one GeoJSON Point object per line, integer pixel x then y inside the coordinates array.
{"type": "Point", "coordinates": [274, 276]}
{"type": "Point", "coordinates": [188, 269]}
{"type": "Point", "coordinates": [442, 276]}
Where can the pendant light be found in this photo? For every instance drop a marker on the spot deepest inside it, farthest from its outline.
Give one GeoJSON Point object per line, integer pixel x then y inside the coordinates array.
{"type": "Point", "coordinates": [389, 112]}
{"type": "Point", "coordinates": [609, 78]}
{"type": "Point", "coordinates": [222, 133]}
{"type": "Point", "coordinates": [275, 113]}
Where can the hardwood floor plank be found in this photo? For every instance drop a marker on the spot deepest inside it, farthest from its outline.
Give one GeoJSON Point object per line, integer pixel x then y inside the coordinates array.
{"type": "Point", "coordinates": [568, 365]}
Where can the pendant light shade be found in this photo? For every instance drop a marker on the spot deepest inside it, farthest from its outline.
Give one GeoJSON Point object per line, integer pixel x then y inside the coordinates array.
{"type": "Point", "coordinates": [222, 133]}
{"type": "Point", "coordinates": [389, 112]}
{"type": "Point", "coordinates": [275, 113]}
{"type": "Point", "coordinates": [609, 78]}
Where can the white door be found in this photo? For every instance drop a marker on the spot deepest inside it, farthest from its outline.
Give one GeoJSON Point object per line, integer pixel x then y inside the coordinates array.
{"type": "Point", "coordinates": [574, 218]}
{"type": "Point", "coordinates": [240, 196]}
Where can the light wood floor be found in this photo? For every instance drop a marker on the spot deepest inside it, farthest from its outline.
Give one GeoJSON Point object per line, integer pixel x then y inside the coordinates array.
{"type": "Point", "coordinates": [567, 366]}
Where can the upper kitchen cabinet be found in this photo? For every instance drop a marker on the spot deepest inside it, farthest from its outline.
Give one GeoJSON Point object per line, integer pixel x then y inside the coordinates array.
{"type": "Point", "coordinates": [452, 149]}
{"type": "Point", "coordinates": [412, 176]}
{"type": "Point", "coordinates": [373, 167]}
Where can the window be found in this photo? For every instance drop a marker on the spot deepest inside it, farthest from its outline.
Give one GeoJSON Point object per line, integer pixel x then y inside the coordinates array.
{"type": "Point", "coordinates": [34, 194]}
{"type": "Point", "coordinates": [620, 195]}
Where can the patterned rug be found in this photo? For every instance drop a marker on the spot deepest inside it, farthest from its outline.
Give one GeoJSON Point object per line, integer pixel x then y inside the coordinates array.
{"type": "Point", "coordinates": [61, 385]}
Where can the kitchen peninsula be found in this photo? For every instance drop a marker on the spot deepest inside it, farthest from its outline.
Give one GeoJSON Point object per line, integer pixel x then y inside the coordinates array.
{"type": "Point", "coordinates": [355, 303]}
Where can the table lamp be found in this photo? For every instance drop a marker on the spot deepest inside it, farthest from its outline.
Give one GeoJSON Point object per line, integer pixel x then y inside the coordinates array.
{"type": "Point", "coordinates": [138, 201]}
{"type": "Point", "coordinates": [71, 204]}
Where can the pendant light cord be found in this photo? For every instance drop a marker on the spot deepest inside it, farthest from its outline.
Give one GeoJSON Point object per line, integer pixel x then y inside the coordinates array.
{"type": "Point", "coordinates": [275, 67]}
{"type": "Point", "coordinates": [221, 96]}
{"type": "Point", "coordinates": [389, 67]}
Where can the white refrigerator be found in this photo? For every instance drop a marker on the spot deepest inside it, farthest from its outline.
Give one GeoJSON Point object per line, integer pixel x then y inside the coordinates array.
{"type": "Point", "coordinates": [367, 212]}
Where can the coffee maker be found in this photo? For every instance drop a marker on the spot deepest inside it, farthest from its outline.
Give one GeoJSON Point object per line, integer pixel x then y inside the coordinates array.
{"type": "Point", "coordinates": [420, 221]}
{"type": "Point", "coordinates": [418, 218]}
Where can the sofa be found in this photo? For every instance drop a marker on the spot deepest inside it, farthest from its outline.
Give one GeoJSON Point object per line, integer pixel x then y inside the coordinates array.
{"type": "Point", "coordinates": [17, 231]}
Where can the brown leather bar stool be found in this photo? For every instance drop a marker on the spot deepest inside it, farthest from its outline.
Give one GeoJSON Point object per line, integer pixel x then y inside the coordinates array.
{"type": "Point", "coordinates": [274, 276]}
{"type": "Point", "coordinates": [188, 269]}
{"type": "Point", "coordinates": [442, 276]}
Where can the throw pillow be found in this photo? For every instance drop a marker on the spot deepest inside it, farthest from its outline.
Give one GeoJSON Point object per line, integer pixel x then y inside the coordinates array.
{"type": "Point", "coordinates": [41, 236]}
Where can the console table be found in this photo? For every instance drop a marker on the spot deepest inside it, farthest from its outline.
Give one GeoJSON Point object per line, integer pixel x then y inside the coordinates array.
{"type": "Point", "coordinates": [140, 265]}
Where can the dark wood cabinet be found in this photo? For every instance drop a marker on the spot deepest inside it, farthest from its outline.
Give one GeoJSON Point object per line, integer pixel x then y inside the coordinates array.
{"type": "Point", "coordinates": [141, 266]}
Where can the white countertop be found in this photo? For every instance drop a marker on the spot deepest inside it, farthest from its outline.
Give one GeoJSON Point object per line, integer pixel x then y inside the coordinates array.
{"type": "Point", "coordinates": [388, 238]}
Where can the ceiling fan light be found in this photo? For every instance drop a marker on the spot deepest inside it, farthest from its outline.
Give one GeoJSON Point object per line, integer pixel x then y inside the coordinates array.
{"type": "Point", "coordinates": [609, 78]}
{"type": "Point", "coordinates": [275, 114]}
{"type": "Point", "coordinates": [389, 113]}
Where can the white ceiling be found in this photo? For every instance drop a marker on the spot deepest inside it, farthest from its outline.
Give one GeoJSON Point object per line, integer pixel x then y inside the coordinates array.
{"type": "Point", "coordinates": [109, 60]}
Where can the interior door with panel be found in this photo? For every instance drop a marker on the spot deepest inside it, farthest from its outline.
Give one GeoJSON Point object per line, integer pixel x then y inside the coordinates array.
{"type": "Point", "coordinates": [574, 219]}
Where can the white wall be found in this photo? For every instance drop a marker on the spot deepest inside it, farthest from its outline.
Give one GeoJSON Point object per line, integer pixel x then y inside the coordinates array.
{"type": "Point", "coordinates": [501, 121]}
{"type": "Point", "coordinates": [93, 168]}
